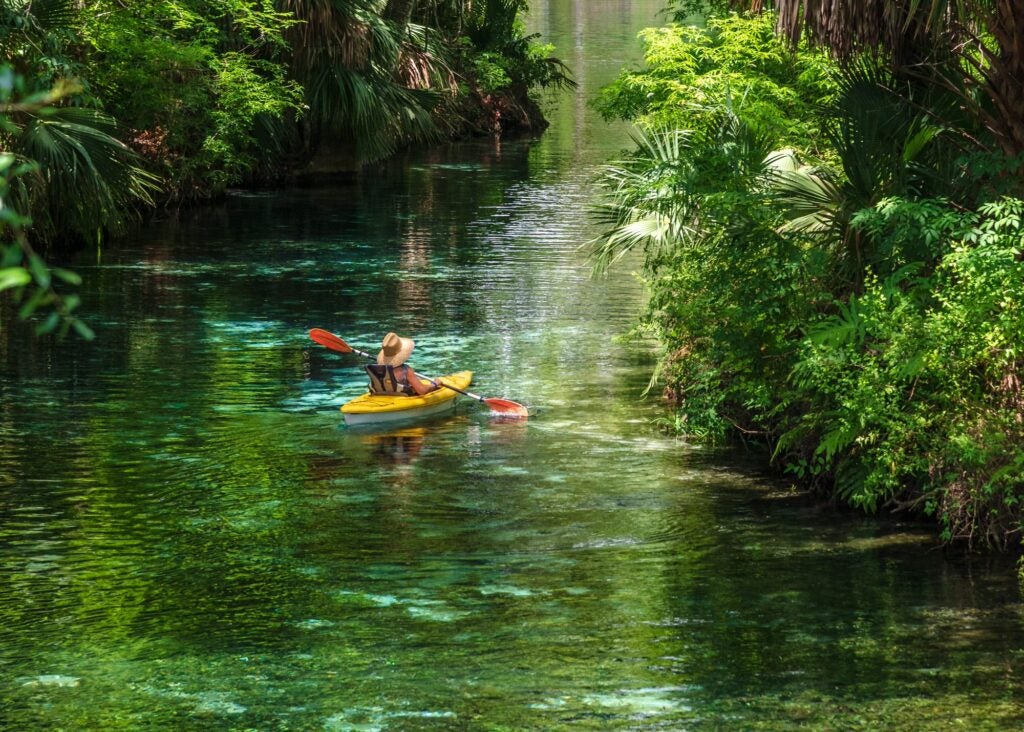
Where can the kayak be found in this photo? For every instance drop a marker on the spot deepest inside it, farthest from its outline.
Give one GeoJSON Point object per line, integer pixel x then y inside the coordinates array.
{"type": "Point", "coordinates": [381, 408]}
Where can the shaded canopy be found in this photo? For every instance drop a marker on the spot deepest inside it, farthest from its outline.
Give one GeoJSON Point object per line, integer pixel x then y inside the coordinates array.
{"type": "Point", "coordinates": [984, 37]}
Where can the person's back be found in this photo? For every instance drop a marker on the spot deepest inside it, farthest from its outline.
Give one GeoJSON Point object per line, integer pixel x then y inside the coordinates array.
{"type": "Point", "coordinates": [390, 375]}
{"type": "Point", "coordinates": [391, 380]}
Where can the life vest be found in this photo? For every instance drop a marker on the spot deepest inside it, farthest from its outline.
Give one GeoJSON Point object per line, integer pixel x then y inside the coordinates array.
{"type": "Point", "coordinates": [385, 379]}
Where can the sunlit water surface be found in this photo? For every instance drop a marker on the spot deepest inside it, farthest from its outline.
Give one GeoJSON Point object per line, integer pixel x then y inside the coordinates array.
{"type": "Point", "coordinates": [190, 539]}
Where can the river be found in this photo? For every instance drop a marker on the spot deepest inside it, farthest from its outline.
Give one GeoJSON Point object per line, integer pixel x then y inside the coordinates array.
{"type": "Point", "coordinates": [191, 540]}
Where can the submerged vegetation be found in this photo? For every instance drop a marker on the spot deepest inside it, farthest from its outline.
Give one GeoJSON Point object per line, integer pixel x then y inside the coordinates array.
{"type": "Point", "coordinates": [828, 200]}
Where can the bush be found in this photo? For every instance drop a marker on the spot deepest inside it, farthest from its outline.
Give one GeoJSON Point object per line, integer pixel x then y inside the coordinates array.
{"type": "Point", "coordinates": [912, 392]}
{"type": "Point", "coordinates": [862, 314]}
{"type": "Point", "coordinates": [736, 60]}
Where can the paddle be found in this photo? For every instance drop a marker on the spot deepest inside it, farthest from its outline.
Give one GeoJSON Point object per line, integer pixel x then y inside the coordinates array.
{"type": "Point", "coordinates": [504, 407]}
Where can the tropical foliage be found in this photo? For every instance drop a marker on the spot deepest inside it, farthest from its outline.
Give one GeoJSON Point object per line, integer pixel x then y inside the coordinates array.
{"type": "Point", "coordinates": [199, 87]}
{"type": "Point", "coordinates": [180, 99]}
{"type": "Point", "coordinates": [24, 275]}
{"type": "Point", "coordinates": [848, 290]}
{"type": "Point", "coordinates": [240, 89]}
{"type": "Point", "coordinates": [214, 93]}
{"type": "Point", "coordinates": [85, 179]}
{"type": "Point", "coordinates": [733, 61]}
{"type": "Point", "coordinates": [910, 393]}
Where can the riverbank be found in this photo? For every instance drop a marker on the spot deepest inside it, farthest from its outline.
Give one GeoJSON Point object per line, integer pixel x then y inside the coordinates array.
{"type": "Point", "coordinates": [111, 112]}
{"type": "Point", "coordinates": [835, 263]}
{"type": "Point", "coordinates": [177, 103]}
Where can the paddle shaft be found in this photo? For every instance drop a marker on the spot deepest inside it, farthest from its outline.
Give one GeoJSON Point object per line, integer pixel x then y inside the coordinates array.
{"type": "Point", "coordinates": [504, 407]}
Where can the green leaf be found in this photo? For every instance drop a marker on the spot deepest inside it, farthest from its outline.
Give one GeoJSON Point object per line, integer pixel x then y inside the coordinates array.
{"type": "Point", "coordinates": [38, 298]}
{"type": "Point", "coordinates": [83, 330]}
{"type": "Point", "coordinates": [13, 277]}
{"type": "Point", "coordinates": [39, 270]}
{"type": "Point", "coordinates": [72, 278]}
{"type": "Point", "coordinates": [48, 325]}
{"type": "Point", "coordinates": [11, 256]}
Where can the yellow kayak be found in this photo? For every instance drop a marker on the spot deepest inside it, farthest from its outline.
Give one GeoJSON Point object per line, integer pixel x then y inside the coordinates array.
{"type": "Point", "coordinates": [378, 408]}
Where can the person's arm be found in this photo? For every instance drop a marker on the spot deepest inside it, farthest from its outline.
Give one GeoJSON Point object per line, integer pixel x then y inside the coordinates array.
{"type": "Point", "coordinates": [417, 386]}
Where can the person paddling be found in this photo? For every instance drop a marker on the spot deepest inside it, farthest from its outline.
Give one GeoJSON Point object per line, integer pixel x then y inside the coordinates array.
{"type": "Point", "coordinates": [391, 375]}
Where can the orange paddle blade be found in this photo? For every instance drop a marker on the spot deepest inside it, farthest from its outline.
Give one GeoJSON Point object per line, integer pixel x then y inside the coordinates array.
{"type": "Point", "coordinates": [506, 407]}
{"type": "Point", "coordinates": [329, 340]}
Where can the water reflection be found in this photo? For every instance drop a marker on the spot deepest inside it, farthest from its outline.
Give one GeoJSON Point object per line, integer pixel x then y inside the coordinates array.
{"type": "Point", "coordinates": [397, 447]}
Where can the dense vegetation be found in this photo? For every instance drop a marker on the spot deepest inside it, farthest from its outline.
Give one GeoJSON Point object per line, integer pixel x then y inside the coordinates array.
{"type": "Point", "coordinates": [832, 228]}
{"type": "Point", "coordinates": [108, 107]}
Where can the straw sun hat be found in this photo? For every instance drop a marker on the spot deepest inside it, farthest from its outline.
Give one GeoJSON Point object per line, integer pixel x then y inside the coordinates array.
{"type": "Point", "coordinates": [395, 350]}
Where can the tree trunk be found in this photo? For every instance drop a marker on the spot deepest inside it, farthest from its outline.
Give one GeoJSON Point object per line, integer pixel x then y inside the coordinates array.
{"type": "Point", "coordinates": [1005, 79]}
{"type": "Point", "coordinates": [399, 12]}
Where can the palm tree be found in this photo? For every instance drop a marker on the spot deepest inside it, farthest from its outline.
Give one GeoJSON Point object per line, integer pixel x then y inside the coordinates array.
{"type": "Point", "coordinates": [985, 37]}
{"type": "Point", "coordinates": [887, 147]}
{"type": "Point", "coordinates": [351, 62]}
{"type": "Point", "coordinates": [85, 179]}
{"type": "Point", "coordinates": [678, 188]}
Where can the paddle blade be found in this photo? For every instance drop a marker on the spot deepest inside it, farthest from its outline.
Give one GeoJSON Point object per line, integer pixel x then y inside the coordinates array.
{"type": "Point", "coordinates": [507, 407]}
{"type": "Point", "coordinates": [329, 340]}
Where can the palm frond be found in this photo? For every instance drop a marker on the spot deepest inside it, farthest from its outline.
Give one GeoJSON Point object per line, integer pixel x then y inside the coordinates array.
{"type": "Point", "coordinates": [52, 14]}
{"type": "Point", "coordinates": [88, 180]}
{"type": "Point", "coordinates": [422, 63]}
{"type": "Point", "coordinates": [362, 82]}
{"type": "Point", "coordinates": [811, 199]}
{"type": "Point", "coordinates": [644, 207]}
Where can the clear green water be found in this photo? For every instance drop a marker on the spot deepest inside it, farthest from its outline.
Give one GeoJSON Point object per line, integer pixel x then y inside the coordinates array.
{"type": "Point", "coordinates": [189, 539]}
